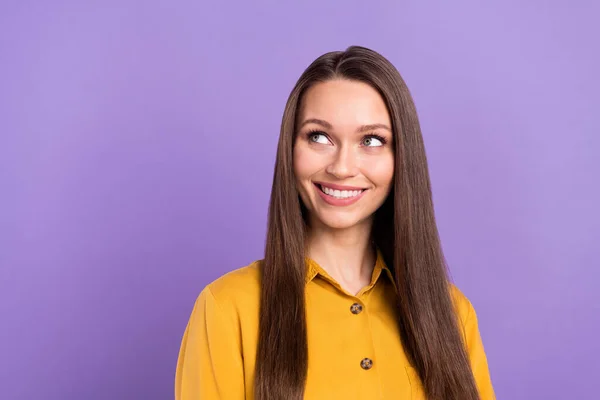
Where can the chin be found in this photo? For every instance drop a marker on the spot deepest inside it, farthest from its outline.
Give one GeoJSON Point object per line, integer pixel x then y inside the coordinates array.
{"type": "Point", "coordinates": [339, 221]}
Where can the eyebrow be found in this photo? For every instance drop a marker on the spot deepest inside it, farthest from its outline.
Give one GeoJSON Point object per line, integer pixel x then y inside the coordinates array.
{"type": "Point", "coordinates": [317, 121]}
{"type": "Point", "coordinates": [372, 127]}
{"type": "Point", "coordinates": [362, 129]}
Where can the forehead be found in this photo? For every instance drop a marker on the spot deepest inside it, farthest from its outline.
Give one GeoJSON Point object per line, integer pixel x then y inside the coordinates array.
{"type": "Point", "coordinates": [344, 102]}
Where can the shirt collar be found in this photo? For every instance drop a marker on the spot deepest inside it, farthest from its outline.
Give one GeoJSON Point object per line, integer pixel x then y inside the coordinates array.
{"type": "Point", "coordinates": [313, 269]}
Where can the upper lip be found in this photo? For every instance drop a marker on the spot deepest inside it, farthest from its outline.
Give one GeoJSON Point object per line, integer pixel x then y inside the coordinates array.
{"type": "Point", "coordinates": [338, 187]}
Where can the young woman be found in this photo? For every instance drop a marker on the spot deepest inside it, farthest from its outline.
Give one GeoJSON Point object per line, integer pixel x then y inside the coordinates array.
{"type": "Point", "coordinates": [352, 299]}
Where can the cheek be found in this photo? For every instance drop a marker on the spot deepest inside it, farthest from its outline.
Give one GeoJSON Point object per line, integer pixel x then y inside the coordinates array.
{"type": "Point", "coordinates": [381, 171]}
{"type": "Point", "coordinates": [305, 163]}
{"type": "Point", "coordinates": [298, 164]}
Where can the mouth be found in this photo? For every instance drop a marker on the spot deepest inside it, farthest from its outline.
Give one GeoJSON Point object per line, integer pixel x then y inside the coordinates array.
{"type": "Point", "coordinates": [340, 193]}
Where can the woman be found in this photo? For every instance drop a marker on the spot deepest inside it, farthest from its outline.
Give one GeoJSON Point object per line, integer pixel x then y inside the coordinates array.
{"type": "Point", "coordinates": [352, 299]}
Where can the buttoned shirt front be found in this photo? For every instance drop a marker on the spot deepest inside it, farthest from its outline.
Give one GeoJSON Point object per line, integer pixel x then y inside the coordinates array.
{"type": "Point", "coordinates": [354, 346]}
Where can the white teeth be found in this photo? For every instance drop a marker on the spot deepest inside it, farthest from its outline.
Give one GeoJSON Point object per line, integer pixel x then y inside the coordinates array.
{"type": "Point", "coordinates": [340, 194]}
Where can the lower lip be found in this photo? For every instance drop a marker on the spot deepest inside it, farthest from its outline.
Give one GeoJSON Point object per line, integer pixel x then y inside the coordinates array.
{"type": "Point", "coordinates": [338, 202]}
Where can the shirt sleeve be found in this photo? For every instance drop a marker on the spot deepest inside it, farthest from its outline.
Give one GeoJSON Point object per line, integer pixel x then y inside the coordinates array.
{"type": "Point", "coordinates": [210, 363]}
{"type": "Point", "coordinates": [477, 356]}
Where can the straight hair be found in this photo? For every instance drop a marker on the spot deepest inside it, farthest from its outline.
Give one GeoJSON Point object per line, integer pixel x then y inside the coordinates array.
{"type": "Point", "coordinates": [404, 230]}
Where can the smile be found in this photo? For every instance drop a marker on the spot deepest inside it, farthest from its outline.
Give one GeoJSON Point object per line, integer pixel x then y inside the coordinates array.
{"type": "Point", "coordinates": [340, 194]}
{"type": "Point", "coordinates": [337, 195]}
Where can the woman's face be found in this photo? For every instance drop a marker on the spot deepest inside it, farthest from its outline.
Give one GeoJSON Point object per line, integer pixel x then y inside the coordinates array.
{"type": "Point", "coordinates": [343, 152]}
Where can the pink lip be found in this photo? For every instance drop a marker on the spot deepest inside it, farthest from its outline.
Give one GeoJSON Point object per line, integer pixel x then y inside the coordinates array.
{"type": "Point", "coordinates": [339, 202]}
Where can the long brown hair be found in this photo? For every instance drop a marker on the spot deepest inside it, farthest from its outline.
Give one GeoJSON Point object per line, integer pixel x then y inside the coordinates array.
{"type": "Point", "coordinates": [404, 230]}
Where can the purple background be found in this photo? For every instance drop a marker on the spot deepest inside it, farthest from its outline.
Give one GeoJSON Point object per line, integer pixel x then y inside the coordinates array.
{"type": "Point", "coordinates": [137, 141]}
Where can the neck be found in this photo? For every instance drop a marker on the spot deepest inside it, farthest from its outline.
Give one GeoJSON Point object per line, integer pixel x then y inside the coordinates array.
{"type": "Point", "coordinates": [345, 254]}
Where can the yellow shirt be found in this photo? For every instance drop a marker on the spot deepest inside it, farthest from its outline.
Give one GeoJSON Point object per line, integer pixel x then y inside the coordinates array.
{"type": "Point", "coordinates": [346, 335]}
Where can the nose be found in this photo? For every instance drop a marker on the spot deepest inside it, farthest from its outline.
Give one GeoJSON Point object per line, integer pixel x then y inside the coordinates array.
{"type": "Point", "coordinates": [344, 165]}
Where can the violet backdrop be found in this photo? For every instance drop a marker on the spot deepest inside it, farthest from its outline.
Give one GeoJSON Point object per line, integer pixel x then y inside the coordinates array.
{"type": "Point", "coordinates": [137, 142]}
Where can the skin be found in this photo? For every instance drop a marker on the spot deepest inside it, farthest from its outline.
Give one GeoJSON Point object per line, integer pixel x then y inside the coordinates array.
{"type": "Point", "coordinates": [334, 146]}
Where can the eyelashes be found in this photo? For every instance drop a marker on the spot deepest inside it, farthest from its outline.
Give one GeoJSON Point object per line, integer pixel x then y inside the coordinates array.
{"type": "Point", "coordinates": [314, 133]}
{"type": "Point", "coordinates": [367, 138]}
{"type": "Point", "coordinates": [375, 136]}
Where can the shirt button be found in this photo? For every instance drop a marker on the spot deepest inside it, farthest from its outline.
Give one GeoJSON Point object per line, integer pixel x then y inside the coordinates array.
{"type": "Point", "coordinates": [356, 308]}
{"type": "Point", "coordinates": [366, 363]}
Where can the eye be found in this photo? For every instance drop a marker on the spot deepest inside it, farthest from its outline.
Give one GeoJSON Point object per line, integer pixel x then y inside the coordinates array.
{"type": "Point", "coordinates": [318, 137]}
{"type": "Point", "coordinates": [373, 141]}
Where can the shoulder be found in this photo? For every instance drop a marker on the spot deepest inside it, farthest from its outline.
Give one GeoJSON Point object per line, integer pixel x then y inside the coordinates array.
{"type": "Point", "coordinates": [225, 315]}
{"type": "Point", "coordinates": [462, 305]}
{"type": "Point", "coordinates": [235, 289]}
